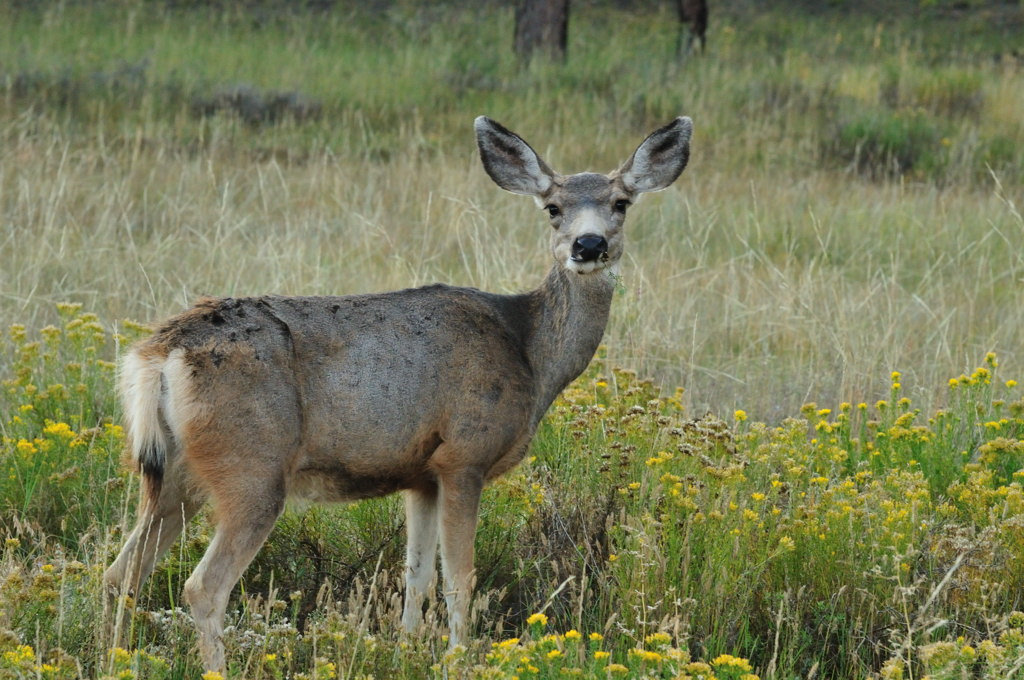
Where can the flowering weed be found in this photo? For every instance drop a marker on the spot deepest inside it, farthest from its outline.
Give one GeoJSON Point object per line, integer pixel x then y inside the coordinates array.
{"type": "Point", "coordinates": [664, 546]}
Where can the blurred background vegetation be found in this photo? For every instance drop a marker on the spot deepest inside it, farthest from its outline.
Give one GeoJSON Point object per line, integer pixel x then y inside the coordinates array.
{"type": "Point", "coordinates": [851, 206]}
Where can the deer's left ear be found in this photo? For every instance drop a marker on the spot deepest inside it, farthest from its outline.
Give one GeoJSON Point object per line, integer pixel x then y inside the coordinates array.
{"type": "Point", "coordinates": [510, 161]}
{"type": "Point", "coordinates": [660, 159]}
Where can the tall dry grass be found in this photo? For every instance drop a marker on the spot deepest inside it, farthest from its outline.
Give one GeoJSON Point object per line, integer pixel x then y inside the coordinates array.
{"type": "Point", "coordinates": [795, 260]}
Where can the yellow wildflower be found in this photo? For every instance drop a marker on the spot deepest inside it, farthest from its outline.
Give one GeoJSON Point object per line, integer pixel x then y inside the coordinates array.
{"type": "Point", "coordinates": [20, 654]}
{"type": "Point", "coordinates": [659, 638]}
{"type": "Point", "coordinates": [733, 662]}
{"type": "Point", "coordinates": [59, 430]}
{"type": "Point", "coordinates": [646, 655]}
{"type": "Point", "coordinates": [537, 618]}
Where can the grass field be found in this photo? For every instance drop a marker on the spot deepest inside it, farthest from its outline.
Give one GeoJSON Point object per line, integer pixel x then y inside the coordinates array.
{"type": "Point", "coordinates": [841, 260]}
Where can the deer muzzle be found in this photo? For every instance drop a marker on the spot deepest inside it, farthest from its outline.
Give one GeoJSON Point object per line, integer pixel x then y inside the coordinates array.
{"type": "Point", "coordinates": [589, 248]}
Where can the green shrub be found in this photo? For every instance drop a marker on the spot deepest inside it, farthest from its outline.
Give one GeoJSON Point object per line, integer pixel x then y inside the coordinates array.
{"type": "Point", "coordinates": [951, 92]}
{"type": "Point", "coordinates": [61, 442]}
{"type": "Point", "coordinates": [880, 144]}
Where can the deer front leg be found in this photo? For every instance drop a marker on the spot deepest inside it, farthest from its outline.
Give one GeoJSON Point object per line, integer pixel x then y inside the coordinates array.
{"type": "Point", "coordinates": [420, 551]}
{"type": "Point", "coordinates": [460, 502]}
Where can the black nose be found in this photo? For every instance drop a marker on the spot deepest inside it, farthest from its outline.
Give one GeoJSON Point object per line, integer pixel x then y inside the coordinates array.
{"type": "Point", "coordinates": [588, 248]}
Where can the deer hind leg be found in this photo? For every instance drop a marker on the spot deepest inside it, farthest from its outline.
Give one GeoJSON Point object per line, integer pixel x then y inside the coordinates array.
{"type": "Point", "coordinates": [246, 509]}
{"type": "Point", "coordinates": [162, 516]}
{"type": "Point", "coordinates": [459, 504]}
{"type": "Point", "coordinates": [420, 551]}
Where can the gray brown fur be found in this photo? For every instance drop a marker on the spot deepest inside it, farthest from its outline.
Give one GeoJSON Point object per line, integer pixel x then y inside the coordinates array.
{"type": "Point", "coordinates": [244, 402]}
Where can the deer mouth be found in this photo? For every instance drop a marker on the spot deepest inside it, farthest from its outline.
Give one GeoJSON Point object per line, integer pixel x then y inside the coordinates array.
{"type": "Point", "coordinates": [587, 266]}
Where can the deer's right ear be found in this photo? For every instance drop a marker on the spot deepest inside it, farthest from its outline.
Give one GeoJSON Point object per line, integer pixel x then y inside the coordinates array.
{"type": "Point", "coordinates": [510, 161]}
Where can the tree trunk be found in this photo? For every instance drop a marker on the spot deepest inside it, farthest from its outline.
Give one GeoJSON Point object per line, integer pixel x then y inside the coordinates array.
{"type": "Point", "coordinates": [692, 13]}
{"type": "Point", "coordinates": [542, 25]}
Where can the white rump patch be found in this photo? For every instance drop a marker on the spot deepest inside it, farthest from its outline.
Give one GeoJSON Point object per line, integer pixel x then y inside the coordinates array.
{"type": "Point", "coordinates": [180, 406]}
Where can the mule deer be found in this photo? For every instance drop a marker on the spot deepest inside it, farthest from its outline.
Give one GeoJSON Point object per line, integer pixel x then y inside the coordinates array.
{"type": "Point", "coordinates": [431, 391]}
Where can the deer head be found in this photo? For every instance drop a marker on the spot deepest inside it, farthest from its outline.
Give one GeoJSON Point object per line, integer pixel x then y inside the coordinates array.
{"type": "Point", "coordinates": [586, 210]}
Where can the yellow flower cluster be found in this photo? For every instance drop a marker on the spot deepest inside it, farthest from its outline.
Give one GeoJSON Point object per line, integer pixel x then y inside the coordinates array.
{"type": "Point", "coordinates": [537, 619]}
{"type": "Point", "coordinates": [732, 663]}
{"type": "Point", "coordinates": [575, 654]}
{"type": "Point", "coordinates": [20, 655]}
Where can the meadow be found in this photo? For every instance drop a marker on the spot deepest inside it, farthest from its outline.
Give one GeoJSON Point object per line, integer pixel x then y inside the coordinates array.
{"type": "Point", "coordinates": [797, 455]}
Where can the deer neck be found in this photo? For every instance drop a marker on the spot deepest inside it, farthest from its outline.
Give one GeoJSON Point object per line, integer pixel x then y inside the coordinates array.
{"type": "Point", "coordinates": [570, 314]}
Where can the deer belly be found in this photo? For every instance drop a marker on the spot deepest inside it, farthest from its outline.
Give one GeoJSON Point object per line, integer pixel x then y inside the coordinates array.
{"type": "Point", "coordinates": [355, 475]}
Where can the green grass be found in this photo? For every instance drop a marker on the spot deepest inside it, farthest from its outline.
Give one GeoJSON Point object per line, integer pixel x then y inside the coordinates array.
{"type": "Point", "coordinates": [847, 539]}
{"type": "Point", "coordinates": [851, 209]}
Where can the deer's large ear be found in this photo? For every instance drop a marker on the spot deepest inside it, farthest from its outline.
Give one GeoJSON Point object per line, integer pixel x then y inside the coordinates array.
{"type": "Point", "coordinates": [660, 159]}
{"type": "Point", "coordinates": [510, 161]}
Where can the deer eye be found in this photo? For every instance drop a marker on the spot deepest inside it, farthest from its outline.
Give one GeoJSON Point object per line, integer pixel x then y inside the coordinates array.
{"type": "Point", "coordinates": [620, 205]}
{"type": "Point", "coordinates": [553, 210]}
